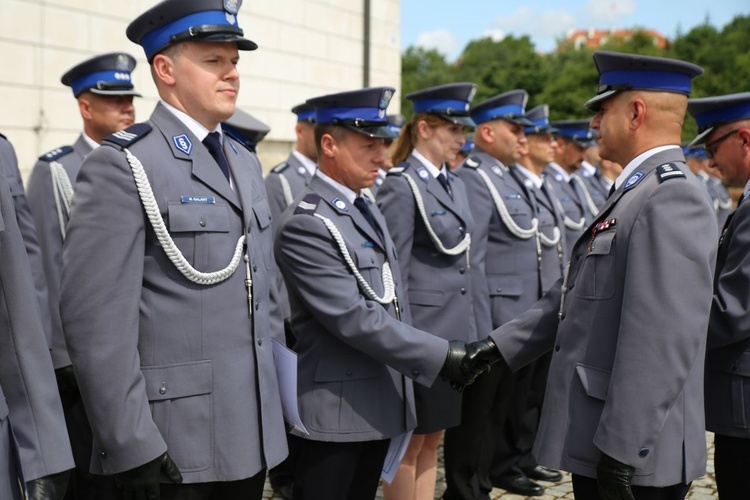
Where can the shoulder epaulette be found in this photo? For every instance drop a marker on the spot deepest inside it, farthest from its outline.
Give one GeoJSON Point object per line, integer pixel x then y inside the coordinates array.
{"type": "Point", "coordinates": [280, 167]}
{"type": "Point", "coordinates": [398, 169]}
{"type": "Point", "coordinates": [130, 135]}
{"type": "Point", "coordinates": [472, 162]}
{"type": "Point", "coordinates": [56, 153]}
{"type": "Point", "coordinates": [308, 204]}
{"type": "Point", "coordinates": [669, 171]}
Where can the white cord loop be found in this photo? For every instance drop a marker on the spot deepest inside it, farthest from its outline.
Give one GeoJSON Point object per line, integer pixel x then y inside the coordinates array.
{"type": "Point", "coordinates": [62, 190]}
{"type": "Point", "coordinates": [165, 239]}
{"type": "Point", "coordinates": [502, 210]}
{"type": "Point", "coordinates": [286, 190]}
{"type": "Point", "coordinates": [388, 286]}
{"type": "Point", "coordinates": [463, 245]}
{"type": "Point", "coordinates": [589, 200]}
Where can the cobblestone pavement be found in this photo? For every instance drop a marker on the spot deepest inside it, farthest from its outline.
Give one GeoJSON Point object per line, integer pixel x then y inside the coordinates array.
{"type": "Point", "coordinates": [702, 489]}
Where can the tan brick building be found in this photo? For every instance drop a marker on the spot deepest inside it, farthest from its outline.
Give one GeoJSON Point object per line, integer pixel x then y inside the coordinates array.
{"type": "Point", "coordinates": [307, 48]}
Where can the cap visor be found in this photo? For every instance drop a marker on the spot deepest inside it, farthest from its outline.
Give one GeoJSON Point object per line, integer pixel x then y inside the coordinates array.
{"type": "Point", "coordinates": [114, 92]}
{"type": "Point", "coordinates": [382, 132]}
{"type": "Point", "coordinates": [242, 43]}
{"type": "Point", "coordinates": [595, 102]}
{"type": "Point", "coordinates": [466, 121]}
{"type": "Point", "coordinates": [519, 120]}
{"type": "Point", "coordinates": [700, 139]}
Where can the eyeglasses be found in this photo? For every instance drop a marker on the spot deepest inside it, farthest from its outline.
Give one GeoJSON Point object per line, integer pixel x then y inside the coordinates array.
{"type": "Point", "coordinates": [711, 147]}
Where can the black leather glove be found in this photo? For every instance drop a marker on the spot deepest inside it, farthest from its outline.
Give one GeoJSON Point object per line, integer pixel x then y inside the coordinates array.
{"type": "Point", "coordinates": [67, 384]}
{"type": "Point", "coordinates": [451, 369]}
{"type": "Point", "coordinates": [480, 355]}
{"type": "Point", "coordinates": [48, 487]}
{"type": "Point", "coordinates": [614, 479]}
{"type": "Point", "coordinates": [142, 483]}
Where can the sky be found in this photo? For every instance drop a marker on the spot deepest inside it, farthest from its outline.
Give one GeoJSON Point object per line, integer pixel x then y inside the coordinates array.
{"type": "Point", "coordinates": [449, 25]}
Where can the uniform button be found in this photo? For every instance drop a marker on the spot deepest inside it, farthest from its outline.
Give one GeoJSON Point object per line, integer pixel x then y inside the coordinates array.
{"type": "Point", "coordinates": [202, 222]}
{"type": "Point", "coordinates": [257, 306]}
{"type": "Point", "coordinates": [260, 342]}
{"type": "Point", "coordinates": [348, 373]}
{"type": "Point", "coordinates": [562, 316]}
{"type": "Point", "coordinates": [415, 373]}
{"type": "Point", "coordinates": [372, 260]}
{"type": "Point", "coordinates": [103, 454]}
{"type": "Point", "coordinates": [498, 289]}
{"type": "Point", "coordinates": [734, 367]}
{"type": "Point", "coordinates": [463, 291]}
{"type": "Point", "coordinates": [557, 347]}
{"type": "Point", "coordinates": [461, 229]}
{"type": "Point", "coordinates": [163, 388]}
{"type": "Point", "coordinates": [644, 452]}
{"type": "Point", "coordinates": [255, 268]}
{"type": "Point", "coordinates": [462, 270]}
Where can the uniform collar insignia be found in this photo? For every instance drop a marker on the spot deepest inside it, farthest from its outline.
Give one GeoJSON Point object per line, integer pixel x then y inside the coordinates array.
{"type": "Point", "coordinates": [182, 142]}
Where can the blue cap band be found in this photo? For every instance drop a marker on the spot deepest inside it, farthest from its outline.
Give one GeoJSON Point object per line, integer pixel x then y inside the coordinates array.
{"type": "Point", "coordinates": [722, 115]}
{"type": "Point", "coordinates": [694, 152]}
{"type": "Point", "coordinates": [440, 106]}
{"type": "Point", "coordinates": [160, 37]}
{"type": "Point", "coordinates": [110, 77]}
{"type": "Point", "coordinates": [497, 113]}
{"type": "Point", "coordinates": [579, 134]}
{"type": "Point", "coordinates": [648, 79]}
{"type": "Point", "coordinates": [307, 115]}
{"type": "Point", "coordinates": [329, 115]}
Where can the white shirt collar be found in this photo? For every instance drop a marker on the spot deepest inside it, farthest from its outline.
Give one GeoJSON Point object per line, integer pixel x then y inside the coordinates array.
{"type": "Point", "coordinates": [588, 167]}
{"type": "Point", "coordinates": [431, 167]}
{"type": "Point", "coordinates": [636, 162]}
{"type": "Point", "coordinates": [305, 161]}
{"type": "Point", "coordinates": [746, 191]}
{"type": "Point", "coordinates": [91, 142]}
{"type": "Point", "coordinates": [348, 193]}
{"type": "Point", "coordinates": [192, 124]}
{"type": "Point", "coordinates": [530, 175]}
{"type": "Point", "coordinates": [558, 169]}
{"type": "Point", "coordinates": [703, 175]}
{"type": "Point", "coordinates": [382, 173]}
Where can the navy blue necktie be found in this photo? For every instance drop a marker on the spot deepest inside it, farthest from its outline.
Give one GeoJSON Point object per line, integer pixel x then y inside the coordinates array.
{"type": "Point", "coordinates": [444, 182]}
{"type": "Point", "coordinates": [362, 206]}
{"type": "Point", "coordinates": [213, 144]}
{"type": "Point", "coordinates": [611, 190]}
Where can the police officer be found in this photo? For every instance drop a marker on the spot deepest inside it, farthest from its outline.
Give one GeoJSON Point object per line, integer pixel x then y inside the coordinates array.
{"type": "Point", "coordinates": [698, 161]}
{"type": "Point", "coordinates": [356, 359]}
{"type": "Point", "coordinates": [591, 175]}
{"type": "Point", "coordinates": [572, 138]}
{"type": "Point", "coordinates": [167, 268]}
{"type": "Point", "coordinates": [103, 88]}
{"type": "Point", "coordinates": [724, 133]}
{"type": "Point", "coordinates": [32, 429]}
{"type": "Point", "coordinates": [427, 211]}
{"type": "Point", "coordinates": [509, 240]}
{"type": "Point", "coordinates": [395, 124]}
{"type": "Point", "coordinates": [623, 409]}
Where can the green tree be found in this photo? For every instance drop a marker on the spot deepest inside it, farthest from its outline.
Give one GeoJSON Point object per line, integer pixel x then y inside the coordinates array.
{"type": "Point", "coordinates": [421, 68]}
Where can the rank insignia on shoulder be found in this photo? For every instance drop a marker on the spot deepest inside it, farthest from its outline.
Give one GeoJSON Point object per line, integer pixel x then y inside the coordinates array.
{"type": "Point", "coordinates": [669, 171]}
{"type": "Point", "coordinates": [604, 225]}
{"type": "Point", "coordinates": [130, 135]}
{"type": "Point", "coordinates": [56, 153]}
{"type": "Point", "coordinates": [633, 180]}
{"type": "Point", "coordinates": [308, 205]}
{"type": "Point", "coordinates": [339, 204]}
{"type": "Point", "coordinates": [472, 162]}
{"type": "Point", "coordinates": [280, 168]}
{"type": "Point", "coordinates": [395, 171]}
{"type": "Point", "coordinates": [182, 142]}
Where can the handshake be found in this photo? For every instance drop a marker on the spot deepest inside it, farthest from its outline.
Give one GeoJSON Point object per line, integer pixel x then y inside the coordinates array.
{"type": "Point", "coordinates": [465, 362]}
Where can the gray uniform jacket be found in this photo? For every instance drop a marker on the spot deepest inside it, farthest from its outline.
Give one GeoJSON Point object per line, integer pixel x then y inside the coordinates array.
{"type": "Point", "coordinates": [626, 376]}
{"type": "Point", "coordinates": [9, 165]}
{"type": "Point", "coordinates": [516, 274]}
{"type": "Point", "coordinates": [291, 173]}
{"type": "Point", "coordinates": [354, 355]}
{"type": "Point", "coordinates": [164, 363]}
{"type": "Point", "coordinates": [43, 208]}
{"type": "Point", "coordinates": [574, 205]}
{"type": "Point", "coordinates": [30, 409]}
{"type": "Point", "coordinates": [445, 292]}
{"type": "Point", "coordinates": [728, 355]}
{"type": "Point", "coordinates": [721, 198]}
{"type": "Point", "coordinates": [594, 186]}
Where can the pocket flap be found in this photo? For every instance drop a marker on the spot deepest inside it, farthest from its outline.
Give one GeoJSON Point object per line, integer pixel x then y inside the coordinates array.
{"type": "Point", "coordinates": [338, 369]}
{"type": "Point", "coordinates": [426, 297]}
{"type": "Point", "coordinates": [505, 285]}
{"type": "Point", "coordinates": [198, 217]}
{"type": "Point", "coordinates": [365, 258]}
{"type": "Point", "coordinates": [262, 213]}
{"type": "Point", "coordinates": [178, 381]}
{"type": "Point", "coordinates": [602, 243]}
{"type": "Point", "coordinates": [595, 380]}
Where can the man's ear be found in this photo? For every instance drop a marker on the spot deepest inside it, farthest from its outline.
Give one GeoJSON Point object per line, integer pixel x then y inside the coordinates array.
{"type": "Point", "coordinates": [163, 68]}
{"type": "Point", "coordinates": [328, 146]}
{"type": "Point", "coordinates": [637, 111]}
{"type": "Point", "coordinates": [84, 106]}
{"type": "Point", "coordinates": [486, 132]}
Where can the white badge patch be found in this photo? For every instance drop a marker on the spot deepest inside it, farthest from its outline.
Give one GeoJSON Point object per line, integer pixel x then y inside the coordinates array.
{"type": "Point", "coordinates": [423, 173]}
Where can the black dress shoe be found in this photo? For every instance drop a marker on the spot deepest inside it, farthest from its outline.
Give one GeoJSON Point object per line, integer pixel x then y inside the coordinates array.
{"type": "Point", "coordinates": [542, 473]}
{"type": "Point", "coordinates": [283, 491]}
{"type": "Point", "coordinates": [520, 485]}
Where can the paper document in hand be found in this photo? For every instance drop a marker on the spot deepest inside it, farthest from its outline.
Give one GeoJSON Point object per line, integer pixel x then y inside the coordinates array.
{"type": "Point", "coordinates": [396, 452]}
{"type": "Point", "coordinates": [286, 372]}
